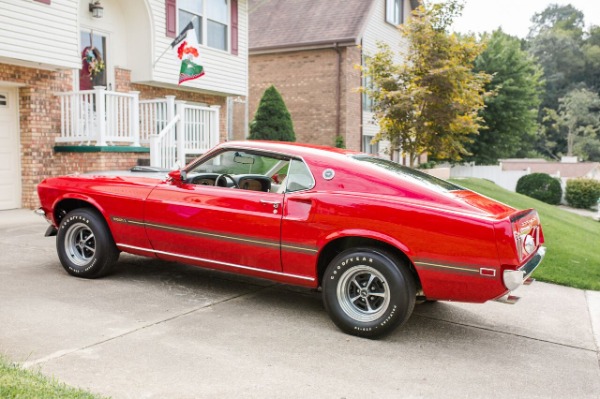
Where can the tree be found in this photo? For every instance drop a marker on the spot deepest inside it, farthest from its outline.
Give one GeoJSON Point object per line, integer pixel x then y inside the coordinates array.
{"type": "Point", "coordinates": [556, 40]}
{"type": "Point", "coordinates": [510, 115]}
{"type": "Point", "coordinates": [430, 102]}
{"type": "Point", "coordinates": [578, 116]}
{"type": "Point", "coordinates": [272, 120]}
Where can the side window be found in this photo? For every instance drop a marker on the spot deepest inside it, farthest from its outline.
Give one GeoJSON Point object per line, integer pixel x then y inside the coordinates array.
{"type": "Point", "coordinates": [299, 177]}
{"type": "Point", "coordinates": [245, 170]}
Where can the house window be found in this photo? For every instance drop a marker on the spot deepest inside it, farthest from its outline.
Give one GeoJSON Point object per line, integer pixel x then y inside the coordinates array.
{"type": "Point", "coordinates": [368, 147]}
{"type": "Point", "coordinates": [210, 18]}
{"type": "Point", "coordinates": [394, 12]}
{"type": "Point", "coordinates": [3, 100]}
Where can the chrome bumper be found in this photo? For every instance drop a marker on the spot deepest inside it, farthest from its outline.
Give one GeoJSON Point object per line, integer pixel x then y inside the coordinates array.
{"type": "Point", "coordinates": [513, 279]}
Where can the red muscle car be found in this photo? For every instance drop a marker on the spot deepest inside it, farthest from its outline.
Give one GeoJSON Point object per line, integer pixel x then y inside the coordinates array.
{"type": "Point", "coordinates": [375, 236]}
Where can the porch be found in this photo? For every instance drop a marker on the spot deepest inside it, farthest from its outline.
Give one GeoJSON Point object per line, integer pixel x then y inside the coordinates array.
{"type": "Point", "coordinates": [172, 129]}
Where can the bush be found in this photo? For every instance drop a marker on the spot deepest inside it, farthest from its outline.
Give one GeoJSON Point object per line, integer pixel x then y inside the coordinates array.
{"type": "Point", "coordinates": [272, 120]}
{"type": "Point", "coordinates": [540, 186]}
{"type": "Point", "coordinates": [582, 193]}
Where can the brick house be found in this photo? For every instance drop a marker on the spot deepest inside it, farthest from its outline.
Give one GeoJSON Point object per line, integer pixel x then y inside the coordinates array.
{"type": "Point", "coordinates": [56, 117]}
{"type": "Point", "coordinates": [309, 50]}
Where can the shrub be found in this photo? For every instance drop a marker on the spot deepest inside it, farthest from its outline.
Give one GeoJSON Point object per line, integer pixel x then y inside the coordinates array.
{"type": "Point", "coordinates": [272, 120]}
{"type": "Point", "coordinates": [582, 193]}
{"type": "Point", "coordinates": [540, 186]}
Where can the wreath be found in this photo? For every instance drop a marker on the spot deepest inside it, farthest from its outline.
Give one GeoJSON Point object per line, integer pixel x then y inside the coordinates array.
{"type": "Point", "coordinates": [92, 61]}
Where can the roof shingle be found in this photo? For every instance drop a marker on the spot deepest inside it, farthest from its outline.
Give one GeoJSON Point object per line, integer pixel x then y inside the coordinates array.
{"type": "Point", "coordinates": [278, 24]}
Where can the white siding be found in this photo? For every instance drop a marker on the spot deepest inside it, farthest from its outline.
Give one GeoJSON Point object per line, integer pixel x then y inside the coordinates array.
{"type": "Point", "coordinates": [377, 30]}
{"type": "Point", "coordinates": [35, 32]}
{"type": "Point", "coordinates": [224, 73]}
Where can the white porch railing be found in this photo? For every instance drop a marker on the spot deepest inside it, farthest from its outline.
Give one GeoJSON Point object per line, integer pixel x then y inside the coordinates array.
{"type": "Point", "coordinates": [105, 117]}
{"type": "Point", "coordinates": [197, 125]}
{"type": "Point", "coordinates": [99, 116]}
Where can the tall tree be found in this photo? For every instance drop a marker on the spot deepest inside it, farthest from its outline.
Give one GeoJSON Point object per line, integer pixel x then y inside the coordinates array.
{"type": "Point", "coordinates": [429, 103]}
{"type": "Point", "coordinates": [511, 114]}
{"type": "Point", "coordinates": [556, 41]}
{"type": "Point", "coordinates": [272, 120]}
{"type": "Point", "coordinates": [591, 50]}
{"type": "Point", "coordinates": [579, 117]}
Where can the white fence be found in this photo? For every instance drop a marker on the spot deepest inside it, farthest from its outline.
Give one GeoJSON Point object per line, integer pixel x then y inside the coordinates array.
{"type": "Point", "coordinates": [504, 178]}
{"type": "Point", "coordinates": [99, 116]}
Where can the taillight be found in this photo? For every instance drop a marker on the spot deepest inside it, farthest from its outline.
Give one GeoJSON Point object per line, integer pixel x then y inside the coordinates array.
{"type": "Point", "coordinates": [526, 230]}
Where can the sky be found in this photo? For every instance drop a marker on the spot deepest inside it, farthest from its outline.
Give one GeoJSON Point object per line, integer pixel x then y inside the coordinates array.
{"type": "Point", "coordinates": [514, 15]}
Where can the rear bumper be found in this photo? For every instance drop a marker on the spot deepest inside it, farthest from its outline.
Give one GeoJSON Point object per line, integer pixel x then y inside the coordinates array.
{"type": "Point", "coordinates": [512, 279]}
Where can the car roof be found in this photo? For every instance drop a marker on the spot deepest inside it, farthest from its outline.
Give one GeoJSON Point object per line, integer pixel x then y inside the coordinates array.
{"type": "Point", "coordinates": [298, 149]}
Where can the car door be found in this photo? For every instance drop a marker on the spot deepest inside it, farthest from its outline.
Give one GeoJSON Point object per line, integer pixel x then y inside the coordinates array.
{"type": "Point", "coordinates": [225, 227]}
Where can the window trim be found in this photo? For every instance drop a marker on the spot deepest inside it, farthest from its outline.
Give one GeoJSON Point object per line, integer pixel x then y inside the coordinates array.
{"type": "Point", "coordinates": [204, 24]}
{"type": "Point", "coordinates": [389, 6]}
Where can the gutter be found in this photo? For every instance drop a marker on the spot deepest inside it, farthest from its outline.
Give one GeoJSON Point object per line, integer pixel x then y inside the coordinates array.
{"type": "Point", "coordinates": [338, 121]}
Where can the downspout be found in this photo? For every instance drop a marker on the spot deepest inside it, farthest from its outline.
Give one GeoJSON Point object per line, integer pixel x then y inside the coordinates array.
{"type": "Point", "coordinates": [338, 122]}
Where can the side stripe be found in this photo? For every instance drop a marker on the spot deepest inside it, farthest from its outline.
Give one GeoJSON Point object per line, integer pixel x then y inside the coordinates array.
{"type": "Point", "coordinates": [216, 236]}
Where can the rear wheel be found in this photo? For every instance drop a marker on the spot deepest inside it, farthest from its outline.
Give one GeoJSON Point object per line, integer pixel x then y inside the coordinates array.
{"type": "Point", "coordinates": [368, 292]}
{"type": "Point", "coordinates": [84, 244]}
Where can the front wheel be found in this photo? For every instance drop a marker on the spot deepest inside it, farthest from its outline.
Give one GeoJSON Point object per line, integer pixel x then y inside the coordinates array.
{"type": "Point", "coordinates": [85, 245]}
{"type": "Point", "coordinates": [368, 292]}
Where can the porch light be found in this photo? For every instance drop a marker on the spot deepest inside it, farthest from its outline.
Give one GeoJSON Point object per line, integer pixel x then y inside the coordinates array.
{"type": "Point", "coordinates": [96, 9]}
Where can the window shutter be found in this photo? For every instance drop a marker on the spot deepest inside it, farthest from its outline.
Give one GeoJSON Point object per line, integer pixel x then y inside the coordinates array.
{"type": "Point", "coordinates": [171, 17]}
{"type": "Point", "coordinates": [234, 27]}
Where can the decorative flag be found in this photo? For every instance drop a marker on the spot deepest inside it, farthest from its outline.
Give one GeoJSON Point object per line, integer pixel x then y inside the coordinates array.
{"type": "Point", "coordinates": [182, 34]}
{"type": "Point", "coordinates": [189, 55]}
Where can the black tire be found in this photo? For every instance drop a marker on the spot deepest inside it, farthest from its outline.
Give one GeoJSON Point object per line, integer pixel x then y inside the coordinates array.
{"type": "Point", "coordinates": [85, 245]}
{"type": "Point", "coordinates": [368, 292]}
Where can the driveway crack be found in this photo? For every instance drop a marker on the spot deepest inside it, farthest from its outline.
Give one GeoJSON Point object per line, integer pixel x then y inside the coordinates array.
{"type": "Point", "coordinates": [62, 353]}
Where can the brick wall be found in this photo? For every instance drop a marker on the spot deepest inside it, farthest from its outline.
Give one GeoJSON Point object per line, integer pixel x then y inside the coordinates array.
{"type": "Point", "coordinates": [307, 81]}
{"type": "Point", "coordinates": [39, 125]}
{"type": "Point", "coordinates": [39, 122]}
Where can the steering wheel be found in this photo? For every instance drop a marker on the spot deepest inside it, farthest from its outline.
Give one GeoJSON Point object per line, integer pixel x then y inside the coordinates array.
{"type": "Point", "coordinates": [225, 176]}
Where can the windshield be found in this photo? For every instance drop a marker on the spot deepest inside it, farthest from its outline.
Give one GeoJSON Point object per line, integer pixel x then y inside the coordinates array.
{"type": "Point", "coordinates": [409, 173]}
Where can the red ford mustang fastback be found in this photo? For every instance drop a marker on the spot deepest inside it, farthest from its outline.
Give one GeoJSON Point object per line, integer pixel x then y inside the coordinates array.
{"type": "Point", "coordinates": [373, 235]}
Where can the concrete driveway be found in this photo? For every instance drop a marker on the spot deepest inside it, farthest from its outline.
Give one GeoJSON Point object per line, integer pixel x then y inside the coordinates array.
{"type": "Point", "coordinates": [165, 330]}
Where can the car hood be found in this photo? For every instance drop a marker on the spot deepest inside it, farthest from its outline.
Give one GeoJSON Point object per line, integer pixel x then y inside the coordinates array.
{"type": "Point", "coordinates": [137, 171]}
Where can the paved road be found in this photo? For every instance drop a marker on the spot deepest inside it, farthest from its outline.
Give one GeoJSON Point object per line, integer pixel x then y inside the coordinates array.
{"type": "Point", "coordinates": [165, 330]}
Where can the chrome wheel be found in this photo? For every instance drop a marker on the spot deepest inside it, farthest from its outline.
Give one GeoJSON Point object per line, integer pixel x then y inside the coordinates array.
{"type": "Point", "coordinates": [80, 244]}
{"type": "Point", "coordinates": [363, 293]}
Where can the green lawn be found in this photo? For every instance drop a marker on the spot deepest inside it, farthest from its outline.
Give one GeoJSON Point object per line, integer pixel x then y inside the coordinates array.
{"type": "Point", "coordinates": [573, 241]}
{"type": "Point", "coordinates": [16, 383]}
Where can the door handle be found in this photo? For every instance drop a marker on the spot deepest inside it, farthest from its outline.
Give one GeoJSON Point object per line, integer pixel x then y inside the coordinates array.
{"type": "Point", "coordinates": [269, 202]}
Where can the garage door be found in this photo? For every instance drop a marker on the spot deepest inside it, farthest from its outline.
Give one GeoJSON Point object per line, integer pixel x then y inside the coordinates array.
{"type": "Point", "coordinates": [10, 170]}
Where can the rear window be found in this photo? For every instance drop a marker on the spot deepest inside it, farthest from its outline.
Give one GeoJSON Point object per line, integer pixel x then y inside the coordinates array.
{"type": "Point", "coordinates": [409, 173]}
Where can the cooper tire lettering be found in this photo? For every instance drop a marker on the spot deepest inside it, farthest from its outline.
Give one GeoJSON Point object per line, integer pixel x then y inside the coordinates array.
{"type": "Point", "coordinates": [368, 292]}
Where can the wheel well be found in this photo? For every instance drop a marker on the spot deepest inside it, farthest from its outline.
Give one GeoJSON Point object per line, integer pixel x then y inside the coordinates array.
{"type": "Point", "coordinates": [67, 205]}
{"type": "Point", "coordinates": [332, 249]}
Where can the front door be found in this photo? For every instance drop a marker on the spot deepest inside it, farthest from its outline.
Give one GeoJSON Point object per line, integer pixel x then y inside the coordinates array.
{"type": "Point", "coordinates": [93, 60]}
{"type": "Point", "coordinates": [226, 213]}
{"type": "Point", "coordinates": [10, 172]}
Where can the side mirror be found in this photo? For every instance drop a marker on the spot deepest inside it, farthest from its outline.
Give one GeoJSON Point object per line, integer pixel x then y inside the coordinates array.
{"type": "Point", "coordinates": [178, 175]}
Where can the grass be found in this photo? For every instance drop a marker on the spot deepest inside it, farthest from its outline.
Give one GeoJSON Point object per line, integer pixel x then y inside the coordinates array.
{"type": "Point", "coordinates": [573, 241]}
{"type": "Point", "coordinates": [17, 383]}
